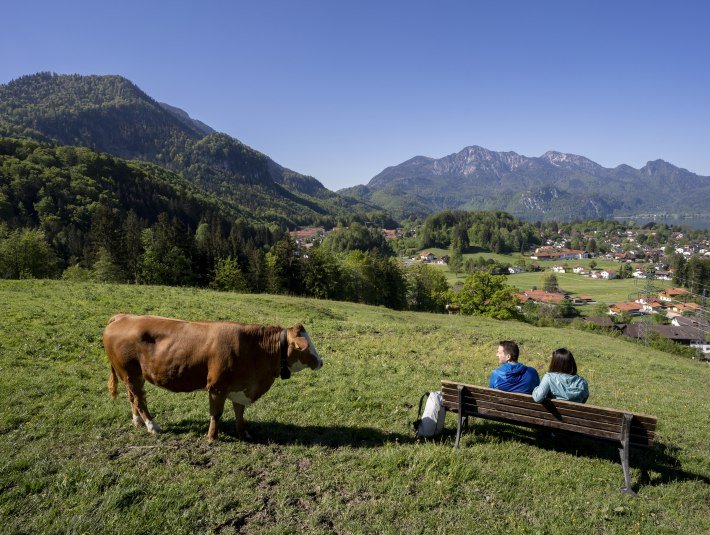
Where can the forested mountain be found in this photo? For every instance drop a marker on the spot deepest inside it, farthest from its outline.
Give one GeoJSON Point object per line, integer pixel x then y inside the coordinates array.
{"type": "Point", "coordinates": [553, 186]}
{"type": "Point", "coordinates": [111, 114]}
{"type": "Point", "coordinates": [72, 212]}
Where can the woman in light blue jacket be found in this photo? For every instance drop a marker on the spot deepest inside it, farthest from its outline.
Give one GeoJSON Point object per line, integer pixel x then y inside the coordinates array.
{"type": "Point", "coordinates": [562, 381]}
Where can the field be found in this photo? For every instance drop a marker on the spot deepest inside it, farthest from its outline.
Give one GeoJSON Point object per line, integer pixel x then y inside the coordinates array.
{"type": "Point", "coordinates": [333, 450]}
{"type": "Point", "coordinates": [604, 291]}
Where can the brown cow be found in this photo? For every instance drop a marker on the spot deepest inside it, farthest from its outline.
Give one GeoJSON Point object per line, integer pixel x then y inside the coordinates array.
{"type": "Point", "coordinates": [229, 360]}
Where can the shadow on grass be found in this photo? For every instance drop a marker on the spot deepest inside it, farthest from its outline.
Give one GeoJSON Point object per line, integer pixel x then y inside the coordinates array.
{"type": "Point", "coordinates": [658, 465]}
{"type": "Point", "coordinates": [334, 436]}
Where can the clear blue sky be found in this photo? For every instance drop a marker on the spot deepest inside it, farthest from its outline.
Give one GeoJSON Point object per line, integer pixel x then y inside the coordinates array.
{"type": "Point", "coordinates": [342, 89]}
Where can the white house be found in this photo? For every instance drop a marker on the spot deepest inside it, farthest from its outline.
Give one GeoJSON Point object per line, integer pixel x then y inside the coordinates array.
{"type": "Point", "coordinates": [608, 274]}
{"type": "Point", "coordinates": [573, 254]}
{"type": "Point", "coordinates": [558, 269]}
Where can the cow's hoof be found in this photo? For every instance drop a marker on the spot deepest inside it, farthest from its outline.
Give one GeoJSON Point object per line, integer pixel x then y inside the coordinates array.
{"type": "Point", "coordinates": [136, 421]}
{"type": "Point", "coordinates": [246, 436]}
{"type": "Point", "coordinates": [153, 426]}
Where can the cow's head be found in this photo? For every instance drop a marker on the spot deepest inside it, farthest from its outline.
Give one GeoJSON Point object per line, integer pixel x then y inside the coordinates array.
{"type": "Point", "coordinates": [301, 351]}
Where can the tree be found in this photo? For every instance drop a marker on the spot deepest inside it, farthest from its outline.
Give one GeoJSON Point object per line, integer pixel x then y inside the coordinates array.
{"type": "Point", "coordinates": [228, 277]}
{"type": "Point", "coordinates": [131, 246]}
{"type": "Point", "coordinates": [426, 288]}
{"type": "Point", "coordinates": [550, 283]}
{"type": "Point", "coordinates": [356, 237]}
{"type": "Point", "coordinates": [455, 260]}
{"type": "Point", "coordinates": [459, 237]}
{"type": "Point", "coordinates": [284, 268]}
{"type": "Point", "coordinates": [565, 309]}
{"type": "Point", "coordinates": [625, 271]}
{"type": "Point", "coordinates": [105, 269]}
{"type": "Point", "coordinates": [257, 273]}
{"type": "Point", "coordinates": [76, 273]}
{"type": "Point", "coordinates": [390, 282]}
{"type": "Point", "coordinates": [322, 274]}
{"type": "Point", "coordinates": [483, 294]}
{"type": "Point", "coordinates": [24, 254]}
{"type": "Point", "coordinates": [162, 263]}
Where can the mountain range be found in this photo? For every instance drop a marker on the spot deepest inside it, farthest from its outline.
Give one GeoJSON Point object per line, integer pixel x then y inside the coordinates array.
{"type": "Point", "coordinates": [110, 114]}
{"type": "Point", "coordinates": [552, 186]}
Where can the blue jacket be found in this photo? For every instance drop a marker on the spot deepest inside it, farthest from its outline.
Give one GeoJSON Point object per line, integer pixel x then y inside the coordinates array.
{"type": "Point", "coordinates": [562, 386]}
{"type": "Point", "coordinates": [514, 377]}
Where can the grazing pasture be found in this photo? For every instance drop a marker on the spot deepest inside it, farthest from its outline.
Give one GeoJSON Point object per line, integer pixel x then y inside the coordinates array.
{"type": "Point", "coordinates": [604, 291]}
{"type": "Point", "coordinates": [333, 450]}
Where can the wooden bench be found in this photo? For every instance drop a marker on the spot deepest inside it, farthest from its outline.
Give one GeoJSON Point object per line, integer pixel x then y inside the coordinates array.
{"type": "Point", "coordinates": [620, 427]}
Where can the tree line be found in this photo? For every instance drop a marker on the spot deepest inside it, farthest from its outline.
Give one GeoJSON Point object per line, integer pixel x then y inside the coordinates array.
{"type": "Point", "coordinates": [169, 253]}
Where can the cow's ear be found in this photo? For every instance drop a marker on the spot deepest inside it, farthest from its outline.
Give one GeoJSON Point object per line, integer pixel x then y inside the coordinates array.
{"type": "Point", "coordinates": [298, 328]}
{"type": "Point", "coordinates": [300, 343]}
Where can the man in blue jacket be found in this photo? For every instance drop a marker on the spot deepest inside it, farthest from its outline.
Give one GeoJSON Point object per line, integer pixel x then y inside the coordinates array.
{"type": "Point", "coordinates": [513, 376]}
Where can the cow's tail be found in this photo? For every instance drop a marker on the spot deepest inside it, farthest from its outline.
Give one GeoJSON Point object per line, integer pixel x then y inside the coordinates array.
{"type": "Point", "coordinates": [112, 391]}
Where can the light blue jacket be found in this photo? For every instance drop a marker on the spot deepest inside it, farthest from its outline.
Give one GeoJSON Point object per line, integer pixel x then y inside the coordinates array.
{"type": "Point", "coordinates": [562, 386]}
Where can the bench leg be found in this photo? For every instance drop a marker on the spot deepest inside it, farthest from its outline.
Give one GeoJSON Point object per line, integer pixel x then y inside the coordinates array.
{"type": "Point", "coordinates": [460, 416]}
{"type": "Point", "coordinates": [624, 453]}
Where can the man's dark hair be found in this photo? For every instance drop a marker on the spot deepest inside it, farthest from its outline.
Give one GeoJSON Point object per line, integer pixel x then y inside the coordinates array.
{"type": "Point", "coordinates": [563, 362]}
{"type": "Point", "coordinates": [510, 348]}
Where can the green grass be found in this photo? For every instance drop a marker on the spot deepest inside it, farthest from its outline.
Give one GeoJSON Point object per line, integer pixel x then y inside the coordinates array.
{"type": "Point", "coordinates": [333, 449]}
{"type": "Point", "coordinates": [604, 291]}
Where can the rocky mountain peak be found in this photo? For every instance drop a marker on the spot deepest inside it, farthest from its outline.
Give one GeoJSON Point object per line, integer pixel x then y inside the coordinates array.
{"type": "Point", "coordinates": [569, 161]}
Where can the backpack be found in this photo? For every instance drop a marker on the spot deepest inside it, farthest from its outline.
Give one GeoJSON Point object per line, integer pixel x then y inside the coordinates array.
{"type": "Point", "coordinates": [432, 421]}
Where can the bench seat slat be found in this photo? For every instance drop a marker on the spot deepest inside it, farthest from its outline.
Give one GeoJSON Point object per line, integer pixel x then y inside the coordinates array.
{"type": "Point", "coordinates": [531, 405]}
{"type": "Point", "coordinates": [471, 407]}
{"type": "Point", "coordinates": [504, 417]}
{"type": "Point", "coordinates": [575, 410]}
{"type": "Point", "coordinates": [538, 410]}
{"type": "Point", "coordinates": [489, 411]}
{"type": "Point", "coordinates": [559, 404]}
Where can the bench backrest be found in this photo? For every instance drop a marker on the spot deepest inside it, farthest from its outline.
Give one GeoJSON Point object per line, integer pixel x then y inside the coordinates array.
{"type": "Point", "coordinates": [520, 409]}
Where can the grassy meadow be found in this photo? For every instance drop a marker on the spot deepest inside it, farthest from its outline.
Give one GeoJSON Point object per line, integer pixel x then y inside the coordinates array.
{"type": "Point", "coordinates": [333, 450]}
{"type": "Point", "coordinates": [604, 291]}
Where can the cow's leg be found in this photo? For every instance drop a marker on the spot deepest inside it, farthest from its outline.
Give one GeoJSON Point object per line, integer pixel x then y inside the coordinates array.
{"type": "Point", "coordinates": [137, 420]}
{"type": "Point", "coordinates": [216, 409]}
{"type": "Point", "coordinates": [135, 387]}
{"type": "Point", "coordinates": [239, 421]}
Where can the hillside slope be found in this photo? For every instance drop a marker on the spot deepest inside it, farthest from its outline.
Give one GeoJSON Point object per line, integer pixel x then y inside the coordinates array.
{"type": "Point", "coordinates": [111, 114]}
{"type": "Point", "coordinates": [334, 449]}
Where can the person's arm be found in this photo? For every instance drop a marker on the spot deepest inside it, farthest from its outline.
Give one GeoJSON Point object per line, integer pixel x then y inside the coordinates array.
{"type": "Point", "coordinates": [585, 396]}
{"type": "Point", "coordinates": [542, 390]}
{"type": "Point", "coordinates": [493, 381]}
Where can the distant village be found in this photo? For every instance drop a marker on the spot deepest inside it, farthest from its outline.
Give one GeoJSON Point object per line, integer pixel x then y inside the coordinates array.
{"type": "Point", "coordinates": [636, 258]}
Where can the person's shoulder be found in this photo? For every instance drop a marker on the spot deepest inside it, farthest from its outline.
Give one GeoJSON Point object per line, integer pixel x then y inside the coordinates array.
{"type": "Point", "coordinates": [530, 369]}
{"type": "Point", "coordinates": [497, 371]}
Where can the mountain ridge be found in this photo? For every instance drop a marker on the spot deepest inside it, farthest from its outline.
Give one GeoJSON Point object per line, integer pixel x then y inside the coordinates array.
{"type": "Point", "coordinates": [553, 185]}
{"type": "Point", "coordinates": [111, 114]}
